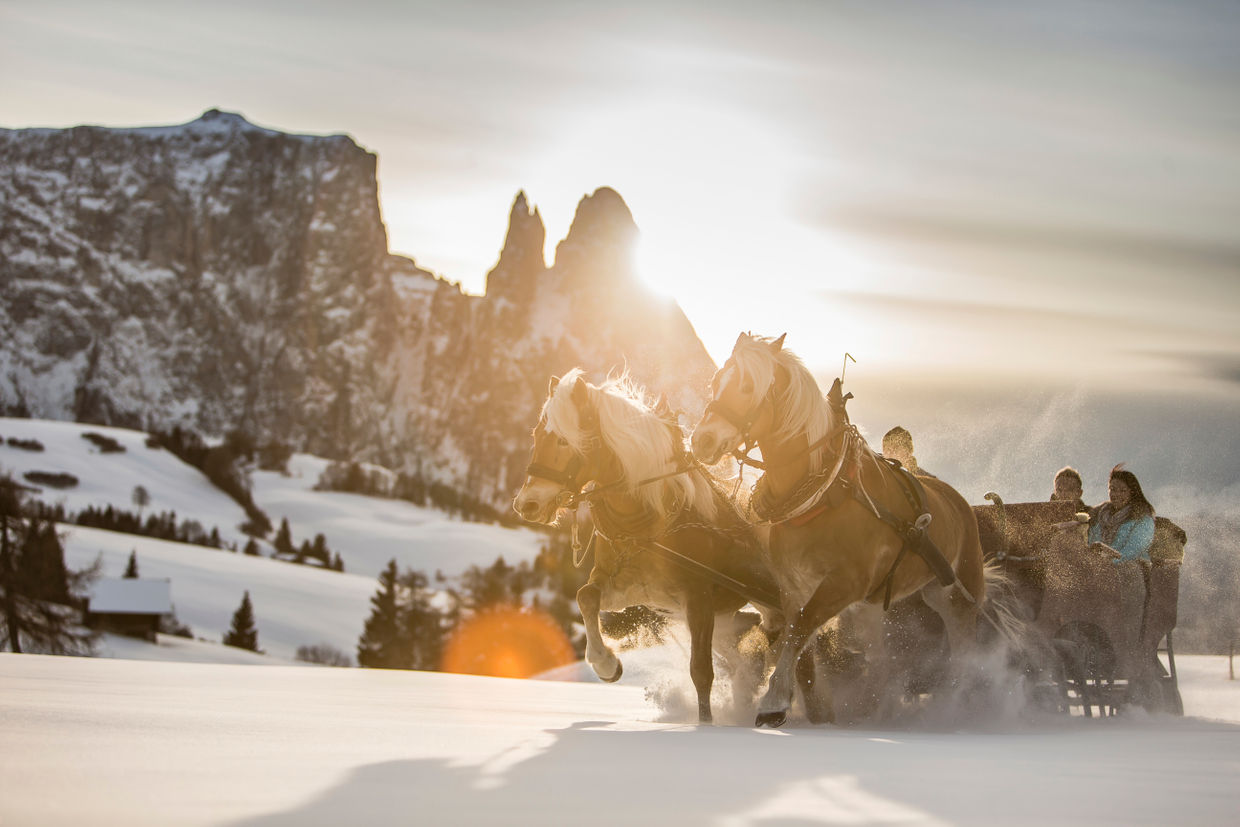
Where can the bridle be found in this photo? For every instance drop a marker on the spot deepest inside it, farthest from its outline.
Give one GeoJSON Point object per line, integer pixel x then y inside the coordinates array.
{"type": "Point", "coordinates": [744, 423]}
{"type": "Point", "coordinates": [568, 477]}
{"type": "Point", "coordinates": [565, 478]}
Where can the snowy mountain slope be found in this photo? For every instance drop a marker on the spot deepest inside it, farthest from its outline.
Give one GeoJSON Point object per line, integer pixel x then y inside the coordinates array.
{"type": "Point", "coordinates": [190, 744]}
{"type": "Point", "coordinates": [221, 276]}
{"type": "Point", "coordinates": [367, 532]}
{"type": "Point", "coordinates": [294, 605]}
{"type": "Point", "coordinates": [109, 479]}
{"type": "Point", "coordinates": [370, 531]}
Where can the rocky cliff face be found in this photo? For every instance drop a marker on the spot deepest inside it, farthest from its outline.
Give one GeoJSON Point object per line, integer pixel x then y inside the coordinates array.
{"type": "Point", "coordinates": [218, 275]}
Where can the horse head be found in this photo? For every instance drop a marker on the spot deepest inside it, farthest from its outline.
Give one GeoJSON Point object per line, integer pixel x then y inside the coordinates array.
{"type": "Point", "coordinates": [740, 409]}
{"type": "Point", "coordinates": [564, 456]}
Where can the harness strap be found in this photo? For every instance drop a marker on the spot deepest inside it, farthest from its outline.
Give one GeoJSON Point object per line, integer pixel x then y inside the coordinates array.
{"type": "Point", "coordinates": [754, 594]}
{"type": "Point", "coordinates": [914, 537]}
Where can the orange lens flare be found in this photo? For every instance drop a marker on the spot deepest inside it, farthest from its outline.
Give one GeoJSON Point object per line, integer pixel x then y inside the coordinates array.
{"type": "Point", "coordinates": [507, 642]}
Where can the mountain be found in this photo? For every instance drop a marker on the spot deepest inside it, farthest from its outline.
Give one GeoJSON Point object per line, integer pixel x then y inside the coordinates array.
{"type": "Point", "coordinates": [219, 275]}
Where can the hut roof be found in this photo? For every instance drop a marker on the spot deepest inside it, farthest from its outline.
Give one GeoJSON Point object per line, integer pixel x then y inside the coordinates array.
{"type": "Point", "coordinates": [131, 595]}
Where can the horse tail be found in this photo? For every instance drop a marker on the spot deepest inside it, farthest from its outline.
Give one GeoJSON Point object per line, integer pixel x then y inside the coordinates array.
{"type": "Point", "coordinates": [1002, 609]}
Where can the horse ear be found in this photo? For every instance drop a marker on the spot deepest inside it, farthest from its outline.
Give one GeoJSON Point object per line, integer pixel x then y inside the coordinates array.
{"type": "Point", "coordinates": [778, 344]}
{"type": "Point", "coordinates": [740, 337]}
{"type": "Point", "coordinates": [552, 385]}
{"type": "Point", "coordinates": [581, 395]}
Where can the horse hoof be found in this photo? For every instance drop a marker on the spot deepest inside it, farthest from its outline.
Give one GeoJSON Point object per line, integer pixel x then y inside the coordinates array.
{"type": "Point", "coordinates": [615, 677]}
{"type": "Point", "coordinates": [774, 720]}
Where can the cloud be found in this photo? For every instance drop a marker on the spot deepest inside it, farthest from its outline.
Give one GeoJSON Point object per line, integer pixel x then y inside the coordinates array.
{"type": "Point", "coordinates": [1217, 258]}
{"type": "Point", "coordinates": [1222, 367]}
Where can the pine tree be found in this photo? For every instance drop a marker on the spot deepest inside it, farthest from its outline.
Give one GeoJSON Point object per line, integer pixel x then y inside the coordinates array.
{"type": "Point", "coordinates": [251, 548]}
{"type": "Point", "coordinates": [141, 498]}
{"type": "Point", "coordinates": [243, 633]}
{"type": "Point", "coordinates": [36, 589]}
{"type": "Point", "coordinates": [131, 570]}
{"type": "Point", "coordinates": [492, 586]}
{"type": "Point", "coordinates": [422, 624]}
{"type": "Point", "coordinates": [319, 550]}
{"type": "Point", "coordinates": [10, 518]}
{"type": "Point", "coordinates": [381, 645]}
{"type": "Point", "coordinates": [284, 539]}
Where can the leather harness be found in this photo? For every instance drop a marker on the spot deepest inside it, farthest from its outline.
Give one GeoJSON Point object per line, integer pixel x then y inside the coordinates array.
{"type": "Point", "coordinates": [840, 488]}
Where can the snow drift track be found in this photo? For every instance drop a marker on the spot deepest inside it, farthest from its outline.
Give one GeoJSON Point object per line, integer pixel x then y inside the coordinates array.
{"type": "Point", "coordinates": [94, 741]}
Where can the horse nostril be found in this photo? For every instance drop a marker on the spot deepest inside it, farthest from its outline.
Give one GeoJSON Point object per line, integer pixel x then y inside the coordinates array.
{"type": "Point", "coordinates": [704, 445]}
{"type": "Point", "coordinates": [528, 509]}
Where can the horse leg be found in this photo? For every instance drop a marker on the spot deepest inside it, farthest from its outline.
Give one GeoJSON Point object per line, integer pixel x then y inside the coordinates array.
{"type": "Point", "coordinates": [604, 662]}
{"type": "Point", "coordinates": [959, 610]}
{"type": "Point", "coordinates": [700, 615]}
{"type": "Point", "coordinates": [743, 647]}
{"type": "Point", "coordinates": [815, 687]}
{"type": "Point", "coordinates": [826, 602]}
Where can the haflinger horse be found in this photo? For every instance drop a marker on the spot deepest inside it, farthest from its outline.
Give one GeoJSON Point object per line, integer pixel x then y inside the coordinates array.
{"type": "Point", "coordinates": [843, 520]}
{"type": "Point", "coordinates": [666, 537]}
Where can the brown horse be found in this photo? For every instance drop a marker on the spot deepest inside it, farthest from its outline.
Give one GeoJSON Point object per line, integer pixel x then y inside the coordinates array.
{"type": "Point", "coordinates": [666, 537]}
{"type": "Point", "coordinates": [848, 528]}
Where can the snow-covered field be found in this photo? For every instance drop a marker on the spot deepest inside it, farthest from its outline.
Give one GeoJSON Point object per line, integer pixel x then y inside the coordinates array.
{"type": "Point", "coordinates": [182, 732]}
{"type": "Point", "coordinates": [101, 742]}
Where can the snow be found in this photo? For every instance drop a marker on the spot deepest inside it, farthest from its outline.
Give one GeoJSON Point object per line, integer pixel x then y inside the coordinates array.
{"type": "Point", "coordinates": [109, 479]}
{"type": "Point", "coordinates": [183, 732]}
{"type": "Point", "coordinates": [368, 532]}
{"type": "Point", "coordinates": [96, 741]}
{"type": "Point", "coordinates": [293, 605]}
{"type": "Point", "coordinates": [181, 649]}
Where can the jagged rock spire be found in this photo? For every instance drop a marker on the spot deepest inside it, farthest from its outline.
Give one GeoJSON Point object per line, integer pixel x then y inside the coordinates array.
{"type": "Point", "coordinates": [603, 232]}
{"type": "Point", "coordinates": [521, 261]}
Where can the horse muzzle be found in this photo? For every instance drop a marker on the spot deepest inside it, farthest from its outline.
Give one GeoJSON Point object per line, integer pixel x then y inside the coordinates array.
{"type": "Point", "coordinates": [707, 446]}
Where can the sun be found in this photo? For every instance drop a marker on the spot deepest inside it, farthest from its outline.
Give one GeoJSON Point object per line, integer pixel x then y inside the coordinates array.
{"type": "Point", "coordinates": [713, 193]}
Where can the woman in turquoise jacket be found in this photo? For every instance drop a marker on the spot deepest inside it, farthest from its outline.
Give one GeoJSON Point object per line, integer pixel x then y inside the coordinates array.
{"type": "Point", "coordinates": [1125, 523]}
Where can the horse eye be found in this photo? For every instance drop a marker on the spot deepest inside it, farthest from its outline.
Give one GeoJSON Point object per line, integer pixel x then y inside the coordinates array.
{"type": "Point", "coordinates": [563, 442]}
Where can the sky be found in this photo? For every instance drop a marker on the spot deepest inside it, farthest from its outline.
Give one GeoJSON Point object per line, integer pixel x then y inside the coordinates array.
{"type": "Point", "coordinates": [1018, 197]}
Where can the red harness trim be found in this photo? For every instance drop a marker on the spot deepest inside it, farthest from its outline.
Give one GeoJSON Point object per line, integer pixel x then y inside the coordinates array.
{"type": "Point", "coordinates": [810, 515]}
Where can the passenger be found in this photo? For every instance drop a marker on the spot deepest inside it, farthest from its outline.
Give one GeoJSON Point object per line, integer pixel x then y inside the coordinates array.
{"type": "Point", "coordinates": [1069, 488]}
{"type": "Point", "coordinates": [1125, 523]}
{"type": "Point", "coordinates": [898, 445]}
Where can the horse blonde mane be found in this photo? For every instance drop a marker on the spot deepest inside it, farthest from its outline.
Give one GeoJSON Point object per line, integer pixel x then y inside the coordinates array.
{"type": "Point", "coordinates": [640, 440]}
{"type": "Point", "coordinates": [801, 407]}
